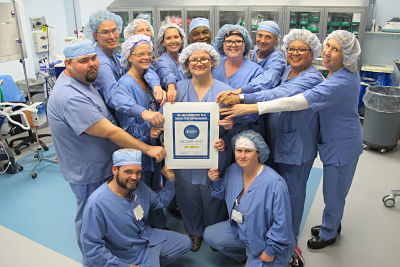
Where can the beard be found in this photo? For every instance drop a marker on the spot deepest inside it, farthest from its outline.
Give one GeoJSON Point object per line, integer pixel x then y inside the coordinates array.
{"type": "Point", "coordinates": [91, 75]}
{"type": "Point", "coordinates": [126, 185]}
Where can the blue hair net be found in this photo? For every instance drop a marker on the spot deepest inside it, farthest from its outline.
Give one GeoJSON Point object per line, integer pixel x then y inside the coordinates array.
{"type": "Point", "coordinates": [303, 35]}
{"type": "Point", "coordinates": [269, 26]}
{"type": "Point", "coordinates": [130, 44]}
{"type": "Point", "coordinates": [188, 50]}
{"type": "Point", "coordinates": [227, 28]}
{"type": "Point", "coordinates": [79, 48]}
{"type": "Point", "coordinates": [197, 22]}
{"type": "Point", "coordinates": [130, 29]}
{"type": "Point", "coordinates": [350, 46]}
{"type": "Point", "coordinates": [127, 156]}
{"type": "Point", "coordinates": [96, 19]}
{"type": "Point", "coordinates": [257, 140]}
{"type": "Point", "coordinates": [160, 38]}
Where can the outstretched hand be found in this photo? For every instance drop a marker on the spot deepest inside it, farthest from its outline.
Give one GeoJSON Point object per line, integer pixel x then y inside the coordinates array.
{"type": "Point", "coordinates": [238, 110]}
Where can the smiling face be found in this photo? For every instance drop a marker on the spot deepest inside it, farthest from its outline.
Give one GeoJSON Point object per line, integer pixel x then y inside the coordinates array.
{"type": "Point", "coordinates": [265, 42]}
{"type": "Point", "coordinates": [299, 55]}
{"type": "Point", "coordinates": [172, 40]}
{"type": "Point", "coordinates": [332, 55]}
{"type": "Point", "coordinates": [127, 177]}
{"type": "Point", "coordinates": [107, 36]}
{"type": "Point", "coordinates": [140, 57]}
{"type": "Point", "coordinates": [143, 28]}
{"type": "Point", "coordinates": [200, 34]}
{"type": "Point", "coordinates": [199, 63]}
{"type": "Point", "coordinates": [234, 46]}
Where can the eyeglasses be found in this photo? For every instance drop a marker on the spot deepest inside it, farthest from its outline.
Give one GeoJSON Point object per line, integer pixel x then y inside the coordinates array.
{"type": "Point", "coordinates": [231, 42]}
{"type": "Point", "coordinates": [300, 51]}
{"type": "Point", "coordinates": [142, 54]}
{"type": "Point", "coordinates": [107, 33]}
{"type": "Point", "coordinates": [197, 60]}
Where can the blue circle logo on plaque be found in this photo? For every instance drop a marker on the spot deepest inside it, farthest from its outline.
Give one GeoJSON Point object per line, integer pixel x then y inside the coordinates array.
{"type": "Point", "coordinates": [191, 131]}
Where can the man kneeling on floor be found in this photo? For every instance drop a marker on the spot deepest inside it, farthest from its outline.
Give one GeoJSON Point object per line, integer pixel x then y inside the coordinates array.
{"type": "Point", "coordinates": [115, 232]}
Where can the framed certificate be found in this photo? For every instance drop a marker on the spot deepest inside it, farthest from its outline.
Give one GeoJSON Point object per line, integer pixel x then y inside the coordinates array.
{"type": "Point", "coordinates": [190, 131]}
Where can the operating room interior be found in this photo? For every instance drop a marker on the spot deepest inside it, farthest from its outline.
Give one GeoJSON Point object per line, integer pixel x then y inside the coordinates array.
{"type": "Point", "coordinates": [37, 208]}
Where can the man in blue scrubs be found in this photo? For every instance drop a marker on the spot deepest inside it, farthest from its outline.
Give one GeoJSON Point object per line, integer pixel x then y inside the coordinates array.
{"type": "Point", "coordinates": [114, 232]}
{"type": "Point", "coordinates": [83, 130]}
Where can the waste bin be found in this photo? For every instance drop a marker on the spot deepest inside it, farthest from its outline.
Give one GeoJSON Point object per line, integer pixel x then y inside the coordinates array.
{"type": "Point", "coordinates": [381, 127]}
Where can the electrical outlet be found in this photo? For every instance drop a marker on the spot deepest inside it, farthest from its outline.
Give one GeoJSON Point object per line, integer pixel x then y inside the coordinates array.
{"type": "Point", "coordinates": [37, 22]}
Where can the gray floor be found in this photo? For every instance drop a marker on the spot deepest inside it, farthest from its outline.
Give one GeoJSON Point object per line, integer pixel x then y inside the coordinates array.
{"type": "Point", "coordinates": [370, 234]}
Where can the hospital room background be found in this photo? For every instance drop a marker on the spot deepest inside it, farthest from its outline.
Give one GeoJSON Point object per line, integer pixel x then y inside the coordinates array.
{"type": "Point", "coordinates": [43, 234]}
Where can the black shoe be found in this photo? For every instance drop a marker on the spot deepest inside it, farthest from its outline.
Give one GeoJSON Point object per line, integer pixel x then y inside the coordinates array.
{"type": "Point", "coordinates": [196, 243]}
{"type": "Point", "coordinates": [318, 243]}
{"type": "Point", "coordinates": [315, 230]}
{"type": "Point", "coordinates": [297, 259]}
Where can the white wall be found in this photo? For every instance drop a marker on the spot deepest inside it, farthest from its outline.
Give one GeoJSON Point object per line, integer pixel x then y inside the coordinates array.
{"type": "Point", "coordinates": [87, 7]}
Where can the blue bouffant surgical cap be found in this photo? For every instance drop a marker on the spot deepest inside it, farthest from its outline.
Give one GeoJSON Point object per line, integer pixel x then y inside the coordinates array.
{"type": "Point", "coordinates": [197, 22]}
{"type": "Point", "coordinates": [127, 156]}
{"type": "Point", "coordinates": [130, 29]}
{"type": "Point", "coordinates": [257, 140]}
{"type": "Point", "coordinates": [96, 19]}
{"type": "Point", "coordinates": [269, 26]}
{"type": "Point", "coordinates": [131, 44]}
{"type": "Point", "coordinates": [160, 38]}
{"type": "Point", "coordinates": [188, 50]}
{"type": "Point", "coordinates": [303, 35]}
{"type": "Point", "coordinates": [79, 48]}
{"type": "Point", "coordinates": [225, 30]}
{"type": "Point", "coordinates": [350, 46]}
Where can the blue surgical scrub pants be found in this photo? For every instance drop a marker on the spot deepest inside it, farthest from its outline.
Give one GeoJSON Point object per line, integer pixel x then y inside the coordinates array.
{"type": "Point", "coordinates": [221, 237]}
{"type": "Point", "coordinates": [336, 184]}
{"type": "Point", "coordinates": [168, 251]}
{"type": "Point", "coordinates": [198, 208]}
{"type": "Point", "coordinates": [296, 177]}
{"type": "Point", "coordinates": [82, 193]}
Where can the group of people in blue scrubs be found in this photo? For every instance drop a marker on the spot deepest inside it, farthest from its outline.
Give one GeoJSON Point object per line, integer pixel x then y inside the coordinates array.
{"type": "Point", "coordinates": [250, 208]}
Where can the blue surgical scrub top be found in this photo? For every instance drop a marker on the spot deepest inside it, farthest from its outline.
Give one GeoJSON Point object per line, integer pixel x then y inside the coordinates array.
{"type": "Point", "coordinates": [111, 233]}
{"type": "Point", "coordinates": [187, 93]}
{"type": "Point", "coordinates": [274, 65]}
{"type": "Point", "coordinates": [169, 70]}
{"type": "Point", "coordinates": [265, 206]}
{"type": "Point", "coordinates": [292, 135]}
{"type": "Point", "coordinates": [336, 100]}
{"type": "Point", "coordinates": [73, 107]}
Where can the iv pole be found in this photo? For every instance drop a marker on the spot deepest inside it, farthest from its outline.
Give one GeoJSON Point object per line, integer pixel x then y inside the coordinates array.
{"type": "Point", "coordinates": [22, 59]}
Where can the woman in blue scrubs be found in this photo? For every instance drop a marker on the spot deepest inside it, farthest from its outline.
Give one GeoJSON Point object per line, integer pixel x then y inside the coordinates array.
{"type": "Point", "coordinates": [170, 42]}
{"type": "Point", "coordinates": [233, 43]}
{"type": "Point", "coordinates": [198, 208]}
{"type": "Point", "coordinates": [257, 198]}
{"type": "Point", "coordinates": [136, 109]}
{"type": "Point", "coordinates": [293, 136]}
{"type": "Point", "coordinates": [340, 140]}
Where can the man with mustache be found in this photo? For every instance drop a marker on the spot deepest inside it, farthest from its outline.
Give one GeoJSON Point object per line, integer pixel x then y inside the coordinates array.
{"type": "Point", "coordinates": [83, 130]}
{"type": "Point", "coordinates": [115, 232]}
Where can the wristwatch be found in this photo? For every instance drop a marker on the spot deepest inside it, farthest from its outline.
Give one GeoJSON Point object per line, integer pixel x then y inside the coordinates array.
{"type": "Point", "coordinates": [241, 98]}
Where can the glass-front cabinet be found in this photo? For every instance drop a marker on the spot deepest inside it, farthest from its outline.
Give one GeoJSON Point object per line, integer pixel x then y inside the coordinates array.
{"type": "Point", "coordinates": [308, 18]}
{"type": "Point", "coordinates": [263, 13]}
{"type": "Point", "coordinates": [170, 15]}
{"type": "Point", "coordinates": [231, 15]}
{"type": "Point", "coordinates": [349, 19]}
{"type": "Point", "coordinates": [146, 14]}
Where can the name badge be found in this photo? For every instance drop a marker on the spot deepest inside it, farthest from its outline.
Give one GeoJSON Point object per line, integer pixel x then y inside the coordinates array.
{"type": "Point", "coordinates": [237, 216]}
{"type": "Point", "coordinates": [138, 212]}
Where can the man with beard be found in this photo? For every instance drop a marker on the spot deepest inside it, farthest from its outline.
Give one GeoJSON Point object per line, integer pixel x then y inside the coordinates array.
{"type": "Point", "coordinates": [83, 130]}
{"type": "Point", "coordinates": [200, 31]}
{"type": "Point", "coordinates": [115, 232]}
